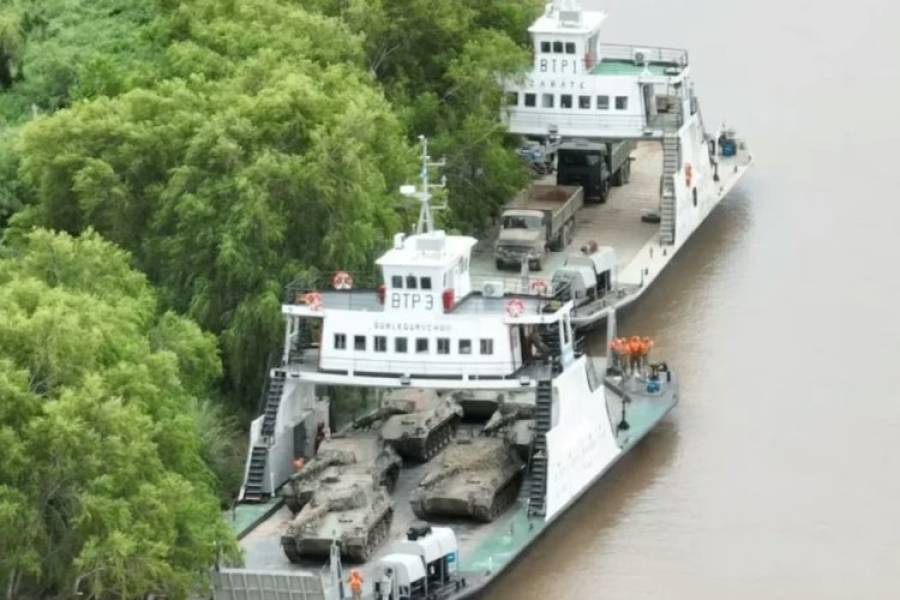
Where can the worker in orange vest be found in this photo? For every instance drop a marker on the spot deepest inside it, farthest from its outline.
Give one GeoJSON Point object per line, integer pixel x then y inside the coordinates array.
{"type": "Point", "coordinates": [355, 580]}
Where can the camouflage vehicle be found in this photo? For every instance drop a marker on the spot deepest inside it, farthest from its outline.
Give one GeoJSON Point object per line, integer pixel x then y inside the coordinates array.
{"type": "Point", "coordinates": [478, 478]}
{"type": "Point", "coordinates": [516, 422]}
{"type": "Point", "coordinates": [361, 455]}
{"type": "Point", "coordinates": [350, 510]}
{"type": "Point", "coordinates": [417, 423]}
{"type": "Point", "coordinates": [479, 405]}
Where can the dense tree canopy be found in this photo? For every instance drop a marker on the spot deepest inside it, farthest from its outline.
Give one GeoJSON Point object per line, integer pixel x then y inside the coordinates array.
{"type": "Point", "coordinates": [267, 149]}
{"type": "Point", "coordinates": [103, 486]}
{"type": "Point", "coordinates": [228, 146]}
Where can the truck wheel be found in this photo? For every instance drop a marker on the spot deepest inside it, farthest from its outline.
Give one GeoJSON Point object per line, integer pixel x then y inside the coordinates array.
{"type": "Point", "coordinates": [617, 177]}
{"type": "Point", "coordinates": [535, 265]}
{"type": "Point", "coordinates": [604, 191]}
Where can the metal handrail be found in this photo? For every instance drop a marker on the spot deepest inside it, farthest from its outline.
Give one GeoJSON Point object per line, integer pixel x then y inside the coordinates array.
{"type": "Point", "coordinates": [658, 54]}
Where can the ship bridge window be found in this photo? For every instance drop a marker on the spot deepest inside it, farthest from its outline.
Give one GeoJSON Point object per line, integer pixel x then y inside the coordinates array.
{"type": "Point", "coordinates": [565, 101]}
{"type": "Point", "coordinates": [487, 346]}
{"type": "Point", "coordinates": [531, 100]}
{"type": "Point", "coordinates": [411, 282]}
{"type": "Point", "coordinates": [380, 343]}
{"type": "Point", "coordinates": [545, 47]}
{"type": "Point", "coordinates": [512, 98]}
{"type": "Point", "coordinates": [621, 102]}
{"type": "Point", "coordinates": [340, 341]}
{"type": "Point", "coordinates": [425, 283]}
{"type": "Point", "coordinates": [359, 342]}
{"type": "Point", "coordinates": [570, 47]}
{"type": "Point", "coordinates": [602, 102]}
{"type": "Point", "coordinates": [558, 47]}
{"type": "Point", "coordinates": [465, 346]}
{"type": "Point", "coordinates": [584, 102]}
{"type": "Point", "coordinates": [421, 345]}
{"type": "Point", "coordinates": [443, 346]}
{"type": "Point", "coordinates": [546, 100]}
{"type": "Point", "coordinates": [397, 282]}
{"type": "Point", "coordinates": [400, 345]}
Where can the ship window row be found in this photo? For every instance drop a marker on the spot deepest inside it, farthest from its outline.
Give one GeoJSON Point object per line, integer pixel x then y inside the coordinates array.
{"type": "Point", "coordinates": [530, 100]}
{"type": "Point", "coordinates": [411, 281]}
{"type": "Point", "coordinates": [557, 47]}
{"type": "Point", "coordinates": [419, 345]}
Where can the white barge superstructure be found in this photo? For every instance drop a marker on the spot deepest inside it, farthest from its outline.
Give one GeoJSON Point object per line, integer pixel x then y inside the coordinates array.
{"type": "Point", "coordinates": [582, 91]}
{"type": "Point", "coordinates": [440, 318]}
{"type": "Point", "coordinates": [426, 327]}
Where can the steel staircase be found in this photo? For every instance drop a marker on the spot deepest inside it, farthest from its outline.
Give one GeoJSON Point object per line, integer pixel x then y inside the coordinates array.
{"type": "Point", "coordinates": [550, 337]}
{"type": "Point", "coordinates": [259, 455]}
{"type": "Point", "coordinates": [671, 166]}
{"type": "Point", "coordinates": [274, 390]}
{"type": "Point", "coordinates": [537, 493]}
{"type": "Point", "coordinates": [253, 487]}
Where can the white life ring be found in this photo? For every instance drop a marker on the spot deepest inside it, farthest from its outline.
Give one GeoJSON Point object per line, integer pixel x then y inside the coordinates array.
{"type": "Point", "coordinates": [342, 281]}
{"type": "Point", "coordinates": [515, 308]}
{"type": "Point", "coordinates": [539, 287]}
{"type": "Point", "coordinates": [313, 300]}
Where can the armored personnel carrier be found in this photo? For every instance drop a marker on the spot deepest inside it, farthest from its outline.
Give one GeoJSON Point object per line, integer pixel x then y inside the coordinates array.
{"type": "Point", "coordinates": [417, 423]}
{"type": "Point", "coordinates": [363, 456]}
{"type": "Point", "coordinates": [350, 510]}
{"type": "Point", "coordinates": [478, 478]}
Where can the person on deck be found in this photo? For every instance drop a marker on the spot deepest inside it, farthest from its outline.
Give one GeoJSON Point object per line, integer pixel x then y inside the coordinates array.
{"type": "Point", "coordinates": [355, 580]}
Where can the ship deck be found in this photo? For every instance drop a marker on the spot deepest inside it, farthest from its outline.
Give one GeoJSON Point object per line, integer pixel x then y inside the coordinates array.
{"type": "Point", "coordinates": [616, 223]}
{"type": "Point", "coordinates": [485, 549]}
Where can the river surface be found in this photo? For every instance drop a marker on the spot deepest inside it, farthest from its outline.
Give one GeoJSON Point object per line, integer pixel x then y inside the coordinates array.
{"type": "Point", "coordinates": [778, 475]}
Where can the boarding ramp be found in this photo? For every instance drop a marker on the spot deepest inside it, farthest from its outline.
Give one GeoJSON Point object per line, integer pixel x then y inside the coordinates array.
{"type": "Point", "coordinates": [245, 584]}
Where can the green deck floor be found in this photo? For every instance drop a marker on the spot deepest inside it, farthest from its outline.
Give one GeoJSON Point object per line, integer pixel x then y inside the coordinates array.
{"type": "Point", "coordinates": [244, 517]}
{"type": "Point", "coordinates": [615, 67]}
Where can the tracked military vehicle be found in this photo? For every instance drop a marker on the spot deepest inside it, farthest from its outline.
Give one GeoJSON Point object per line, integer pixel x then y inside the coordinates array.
{"type": "Point", "coordinates": [417, 423]}
{"type": "Point", "coordinates": [363, 456]}
{"type": "Point", "coordinates": [478, 478]}
{"type": "Point", "coordinates": [351, 511]}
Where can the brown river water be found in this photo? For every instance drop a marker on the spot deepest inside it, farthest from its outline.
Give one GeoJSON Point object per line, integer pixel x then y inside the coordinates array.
{"type": "Point", "coordinates": [778, 475]}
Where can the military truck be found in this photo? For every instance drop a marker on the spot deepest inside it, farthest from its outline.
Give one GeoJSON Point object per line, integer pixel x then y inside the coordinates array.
{"type": "Point", "coordinates": [540, 218]}
{"type": "Point", "coordinates": [363, 454]}
{"type": "Point", "coordinates": [595, 165]}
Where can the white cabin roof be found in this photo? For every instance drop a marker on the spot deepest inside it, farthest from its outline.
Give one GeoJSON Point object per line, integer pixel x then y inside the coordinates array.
{"type": "Point", "coordinates": [432, 249]}
{"type": "Point", "coordinates": [550, 22]}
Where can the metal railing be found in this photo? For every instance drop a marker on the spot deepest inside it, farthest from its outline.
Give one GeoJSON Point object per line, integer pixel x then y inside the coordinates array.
{"type": "Point", "coordinates": [653, 54]}
{"type": "Point", "coordinates": [475, 367]}
{"type": "Point", "coordinates": [322, 282]}
{"type": "Point", "coordinates": [530, 285]}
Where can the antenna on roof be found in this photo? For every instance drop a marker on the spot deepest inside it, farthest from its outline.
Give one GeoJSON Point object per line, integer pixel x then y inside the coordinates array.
{"type": "Point", "coordinates": [423, 192]}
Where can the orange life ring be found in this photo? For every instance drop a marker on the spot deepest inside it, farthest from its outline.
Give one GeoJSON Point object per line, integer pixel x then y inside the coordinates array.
{"type": "Point", "coordinates": [313, 300]}
{"type": "Point", "coordinates": [688, 174]}
{"type": "Point", "coordinates": [539, 287]}
{"type": "Point", "coordinates": [342, 281]}
{"type": "Point", "coordinates": [515, 308]}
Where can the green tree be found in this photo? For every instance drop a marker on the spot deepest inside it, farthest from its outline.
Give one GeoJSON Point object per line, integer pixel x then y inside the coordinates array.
{"type": "Point", "coordinates": [103, 485]}
{"type": "Point", "coordinates": [441, 64]}
{"type": "Point", "coordinates": [227, 184]}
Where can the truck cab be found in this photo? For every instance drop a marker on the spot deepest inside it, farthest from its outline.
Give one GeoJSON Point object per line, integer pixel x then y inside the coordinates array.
{"type": "Point", "coordinates": [523, 236]}
{"type": "Point", "coordinates": [595, 165]}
